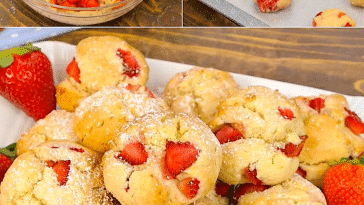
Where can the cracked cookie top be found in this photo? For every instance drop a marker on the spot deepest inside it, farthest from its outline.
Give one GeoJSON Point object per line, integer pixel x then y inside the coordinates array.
{"type": "Point", "coordinates": [55, 173]}
{"type": "Point", "coordinates": [162, 158]}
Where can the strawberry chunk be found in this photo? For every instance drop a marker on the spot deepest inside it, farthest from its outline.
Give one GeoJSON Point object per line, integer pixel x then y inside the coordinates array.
{"type": "Point", "coordinates": [317, 104]}
{"type": "Point", "coordinates": [341, 14]}
{"type": "Point", "coordinates": [77, 149]}
{"type": "Point", "coordinates": [354, 123]}
{"type": "Point", "coordinates": [68, 4]}
{"type": "Point", "coordinates": [301, 172]}
{"type": "Point", "coordinates": [314, 24]}
{"type": "Point", "coordinates": [286, 113]}
{"type": "Point", "coordinates": [5, 163]}
{"type": "Point", "coordinates": [247, 188]}
{"type": "Point", "coordinates": [134, 88]}
{"type": "Point", "coordinates": [222, 188]}
{"type": "Point", "coordinates": [228, 134]}
{"type": "Point", "coordinates": [292, 150]}
{"type": "Point", "coordinates": [133, 153]}
{"type": "Point", "coordinates": [348, 25]}
{"type": "Point", "coordinates": [61, 168]}
{"type": "Point", "coordinates": [319, 14]}
{"type": "Point", "coordinates": [73, 70]}
{"type": "Point", "coordinates": [265, 5]}
{"type": "Point", "coordinates": [189, 187]}
{"type": "Point", "coordinates": [92, 3]}
{"type": "Point", "coordinates": [179, 156]}
{"type": "Point", "coordinates": [132, 68]}
{"type": "Point", "coordinates": [252, 176]}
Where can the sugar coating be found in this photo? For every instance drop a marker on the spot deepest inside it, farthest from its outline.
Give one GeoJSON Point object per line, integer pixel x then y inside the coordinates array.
{"type": "Point", "coordinates": [272, 166]}
{"type": "Point", "coordinates": [295, 190]}
{"type": "Point", "coordinates": [328, 137]}
{"type": "Point", "coordinates": [281, 4]}
{"type": "Point", "coordinates": [57, 125]}
{"type": "Point", "coordinates": [99, 66]}
{"type": "Point", "coordinates": [30, 181]}
{"type": "Point", "coordinates": [100, 116]}
{"type": "Point", "coordinates": [199, 91]}
{"type": "Point", "coordinates": [333, 18]}
{"type": "Point", "coordinates": [146, 183]}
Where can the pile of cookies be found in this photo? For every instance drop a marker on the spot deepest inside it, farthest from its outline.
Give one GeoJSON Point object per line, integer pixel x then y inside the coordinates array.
{"type": "Point", "coordinates": [205, 141]}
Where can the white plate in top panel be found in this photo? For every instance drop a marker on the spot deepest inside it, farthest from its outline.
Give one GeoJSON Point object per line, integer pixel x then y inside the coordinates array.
{"type": "Point", "coordinates": [14, 122]}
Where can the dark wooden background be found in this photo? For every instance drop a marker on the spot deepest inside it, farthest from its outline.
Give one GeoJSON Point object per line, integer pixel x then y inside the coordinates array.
{"type": "Point", "coordinates": [330, 59]}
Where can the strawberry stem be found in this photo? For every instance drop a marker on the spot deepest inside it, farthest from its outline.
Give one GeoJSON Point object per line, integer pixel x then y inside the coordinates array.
{"type": "Point", "coordinates": [6, 56]}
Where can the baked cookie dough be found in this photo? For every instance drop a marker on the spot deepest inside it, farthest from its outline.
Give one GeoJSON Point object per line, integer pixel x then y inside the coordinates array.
{"type": "Point", "coordinates": [199, 91]}
{"type": "Point", "coordinates": [100, 116]}
{"type": "Point", "coordinates": [266, 6]}
{"type": "Point", "coordinates": [162, 159]}
{"type": "Point", "coordinates": [357, 3]}
{"type": "Point", "coordinates": [295, 190]}
{"type": "Point", "coordinates": [329, 137]}
{"type": "Point", "coordinates": [100, 61]}
{"type": "Point", "coordinates": [333, 18]}
{"type": "Point", "coordinates": [57, 125]}
{"type": "Point", "coordinates": [261, 133]}
{"type": "Point", "coordinates": [55, 173]}
{"type": "Point", "coordinates": [217, 196]}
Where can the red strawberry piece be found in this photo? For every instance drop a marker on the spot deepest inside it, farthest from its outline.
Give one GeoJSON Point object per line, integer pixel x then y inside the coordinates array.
{"type": "Point", "coordinates": [222, 188]}
{"type": "Point", "coordinates": [354, 123]}
{"type": "Point", "coordinates": [292, 150]}
{"type": "Point", "coordinates": [348, 25]}
{"type": "Point", "coordinates": [134, 88]}
{"type": "Point", "coordinates": [252, 176]}
{"type": "Point", "coordinates": [179, 156]}
{"type": "Point", "coordinates": [61, 168]}
{"type": "Point", "coordinates": [67, 4]}
{"type": "Point", "coordinates": [77, 149]}
{"type": "Point", "coordinates": [73, 70]}
{"type": "Point", "coordinates": [189, 187]}
{"type": "Point", "coordinates": [301, 172]}
{"type": "Point", "coordinates": [92, 3]}
{"type": "Point", "coordinates": [242, 189]}
{"type": "Point", "coordinates": [314, 24]}
{"type": "Point", "coordinates": [286, 113]}
{"type": "Point", "coordinates": [132, 68]}
{"type": "Point", "coordinates": [317, 104]}
{"type": "Point", "coordinates": [341, 14]}
{"type": "Point", "coordinates": [82, 3]}
{"type": "Point", "coordinates": [228, 134]}
{"type": "Point", "coordinates": [73, 1]}
{"type": "Point", "coordinates": [344, 184]}
{"type": "Point", "coordinates": [319, 14]}
{"type": "Point", "coordinates": [53, 1]}
{"type": "Point", "coordinates": [133, 153]}
{"type": "Point", "coordinates": [5, 163]}
{"type": "Point", "coordinates": [264, 5]}
{"type": "Point", "coordinates": [26, 80]}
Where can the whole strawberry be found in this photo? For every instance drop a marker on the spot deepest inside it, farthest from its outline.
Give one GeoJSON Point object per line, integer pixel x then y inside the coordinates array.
{"type": "Point", "coordinates": [344, 183]}
{"type": "Point", "coordinates": [26, 80]}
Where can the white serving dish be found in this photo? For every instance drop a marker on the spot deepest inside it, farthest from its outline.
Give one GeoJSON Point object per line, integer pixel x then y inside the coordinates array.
{"type": "Point", "coordinates": [14, 122]}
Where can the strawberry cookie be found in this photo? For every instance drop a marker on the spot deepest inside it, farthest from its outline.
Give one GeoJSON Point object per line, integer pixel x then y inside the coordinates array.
{"type": "Point", "coordinates": [100, 116]}
{"type": "Point", "coordinates": [199, 91]}
{"type": "Point", "coordinates": [295, 190]}
{"type": "Point", "coordinates": [58, 125]}
{"type": "Point", "coordinates": [217, 196]}
{"type": "Point", "coordinates": [162, 158]}
{"type": "Point", "coordinates": [332, 18]}
{"type": "Point", "coordinates": [261, 133]}
{"type": "Point", "coordinates": [55, 172]}
{"type": "Point", "coordinates": [357, 3]}
{"type": "Point", "coordinates": [98, 62]}
{"type": "Point", "coordinates": [266, 6]}
{"type": "Point", "coordinates": [333, 132]}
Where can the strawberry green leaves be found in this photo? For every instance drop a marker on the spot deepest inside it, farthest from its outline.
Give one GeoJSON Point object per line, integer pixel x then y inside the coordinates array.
{"type": "Point", "coordinates": [9, 151]}
{"type": "Point", "coordinates": [6, 56]}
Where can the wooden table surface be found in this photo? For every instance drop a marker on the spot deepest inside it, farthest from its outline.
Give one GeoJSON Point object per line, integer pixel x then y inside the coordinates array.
{"type": "Point", "coordinates": [149, 13]}
{"type": "Point", "coordinates": [330, 59]}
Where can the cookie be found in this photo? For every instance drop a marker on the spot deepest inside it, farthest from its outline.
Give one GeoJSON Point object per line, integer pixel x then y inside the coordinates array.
{"type": "Point", "coordinates": [100, 116]}
{"type": "Point", "coordinates": [331, 129]}
{"type": "Point", "coordinates": [57, 125]}
{"type": "Point", "coordinates": [162, 158]}
{"type": "Point", "coordinates": [217, 196]}
{"type": "Point", "coordinates": [55, 172]}
{"type": "Point", "coordinates": [266, 6]}
{"type": "Point", "coordinates": [100, 61]}
{"type": "Point", "coordinates": [357, 3]}
{"type": "Point", "coordinates": [261, 133]}
{"type": "Point", "coordinates": [333, 18]}
{"type": "Point", "coordinates": [295, 190]}
{"type": "Point", "coordinates": [198, 91]}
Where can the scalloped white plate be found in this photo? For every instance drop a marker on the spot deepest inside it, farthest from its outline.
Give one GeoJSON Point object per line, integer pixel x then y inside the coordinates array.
{"type": "Point", "coordinates": [13, 122]}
